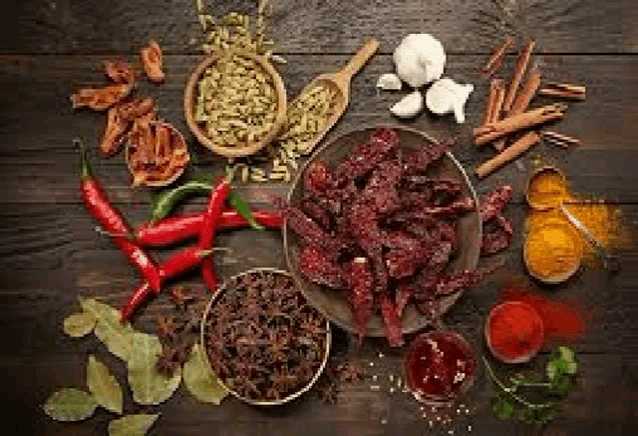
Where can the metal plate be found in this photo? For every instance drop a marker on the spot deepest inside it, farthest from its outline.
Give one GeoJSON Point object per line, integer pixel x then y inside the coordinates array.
{"type": "Point", "coordinates": [333, 304]}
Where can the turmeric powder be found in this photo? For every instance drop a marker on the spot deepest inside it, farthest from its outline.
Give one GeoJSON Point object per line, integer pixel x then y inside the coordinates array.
{"type": "Point", "coordinates": [604, 221]}
{"type": "Point", "coordinates": [552, 249]}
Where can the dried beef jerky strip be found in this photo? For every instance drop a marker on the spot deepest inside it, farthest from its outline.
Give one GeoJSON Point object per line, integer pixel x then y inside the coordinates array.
{"type": "Point", "coordinates": [317, 212]}
{"type": "Point", "coordinates": [302, 224]}
{"type": "Point", "coordinates": [498, 240]}
{"type": "Point", "coordinates": [320, 267]}
{"type": "Point", "coordinates": [360, 293]}
{"type": "Point", "coordinates": [318, 179]}
{"type": "Point", "coordinates": [418, 161]}
{"type": "Point", "coordinates": [367, 156]}
{"type": "Point", "coordinates": [391, 321]}
{"type": "Point", "coordinates": [493, 203]}
{"type": "Point", "coordinates": [460, 280]}
{"type": "Point", "coordinates": [382, 187]}
{"type": "Point", "coordinates": [405, 292]}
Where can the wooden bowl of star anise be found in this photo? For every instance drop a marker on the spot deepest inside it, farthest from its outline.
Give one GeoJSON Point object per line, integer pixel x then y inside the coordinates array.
{"type": "Point", "coordinates": [264, 341]}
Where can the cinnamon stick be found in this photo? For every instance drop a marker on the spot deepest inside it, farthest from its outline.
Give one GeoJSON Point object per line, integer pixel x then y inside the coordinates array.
{"type": "Point", "coordinates": [514, 123]}
{"type": "Point", "coordinates": [521, 66]}
{"type": "Point", "coordinates": [496, 60]}
{"type": "Point", "coordinates": [560, 139]}
{"type": "Point", "coordinates": [523, 99]}
{"type": "Point", "coordinates": [494, 101]}
{"type": "Point", "coordinates": [564, 90]}
{"type": "Point", "coordinates": [513, 151]}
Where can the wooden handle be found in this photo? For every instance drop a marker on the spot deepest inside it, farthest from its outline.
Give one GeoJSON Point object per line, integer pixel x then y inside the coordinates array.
{"type": "Point", "coordinates": [359, 59]}
{"type": "Point", "coordinates": [512, 152]}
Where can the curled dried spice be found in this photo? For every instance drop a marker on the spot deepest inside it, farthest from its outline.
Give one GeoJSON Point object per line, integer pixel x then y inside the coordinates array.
{"type": "Point", "coordinates": [116, 128]}
{"type": "Point", "coordinates": [119, 71]}
{"type": "Point", "coordinates": [101, 98]}
{"type": "Point", "coordinates": [156, 152]}
{"type": "Point", "coordinates": [152, 61]}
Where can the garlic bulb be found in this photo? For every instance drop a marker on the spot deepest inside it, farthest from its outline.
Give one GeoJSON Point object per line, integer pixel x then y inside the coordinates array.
{"type": "Point", "coordinates": [409, 106]}
{"type": "Point", "coordinates": [389, 82]}
{"type": "Point", "coordinates": [445, 96]}
{"type": "Point", "coordinates": [419, 59]}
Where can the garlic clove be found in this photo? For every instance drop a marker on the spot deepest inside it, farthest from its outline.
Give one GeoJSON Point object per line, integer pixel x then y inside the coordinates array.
{"type": "Point", "coordinates": [409, 106]}
{"type": "Point", "coordinates": [446, 96]}
{"type": "Point", "coordinates": [389, 82]}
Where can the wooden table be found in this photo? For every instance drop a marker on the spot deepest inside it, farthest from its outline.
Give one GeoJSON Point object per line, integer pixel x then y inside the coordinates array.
{"type": "Point", "coordinates": [51, 254]}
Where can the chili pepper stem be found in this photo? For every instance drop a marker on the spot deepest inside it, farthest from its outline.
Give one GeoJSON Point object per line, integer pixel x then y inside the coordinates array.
{"type": "Point", "coordinates": [86, 170]}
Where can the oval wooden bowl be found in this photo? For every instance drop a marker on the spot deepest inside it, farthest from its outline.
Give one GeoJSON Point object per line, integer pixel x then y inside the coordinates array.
{"type": "Point", "coordinates": [333, 304]}
{"type": "Point", "coordinates": [172, 178]}
{"type": "Point", "coordinates": [190, 98]}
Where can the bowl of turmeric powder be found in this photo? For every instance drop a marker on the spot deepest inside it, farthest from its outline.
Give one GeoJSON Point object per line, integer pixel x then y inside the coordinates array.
{"type": "Point", "coordinates": [552, 252]}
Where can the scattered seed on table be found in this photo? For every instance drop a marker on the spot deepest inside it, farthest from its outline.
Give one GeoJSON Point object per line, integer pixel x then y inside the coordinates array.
{"type": "Point", "coordinates": [375, 387]}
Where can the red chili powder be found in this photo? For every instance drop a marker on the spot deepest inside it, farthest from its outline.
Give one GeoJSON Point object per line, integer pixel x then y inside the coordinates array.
{"type": "Point", "coordinates": [515, 330]}
{"type": "Point", "coordinates": [562, 321]}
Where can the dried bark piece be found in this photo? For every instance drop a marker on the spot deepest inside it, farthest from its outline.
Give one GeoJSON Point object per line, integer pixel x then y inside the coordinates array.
{"type": "Point", "coordinates": [100, 98]}
{"type": "Point", "coordinates": [152, 61]}
{"type": "Point", "coordinates": [119, 71]}
{"type": "Point", "coordinates": [114, 132]}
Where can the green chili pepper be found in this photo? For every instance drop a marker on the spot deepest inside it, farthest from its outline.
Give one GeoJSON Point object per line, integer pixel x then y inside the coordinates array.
{"type": "Point", "coordinates": [164, 202]}
{"type": "Point", "coordinates": [244, 210]}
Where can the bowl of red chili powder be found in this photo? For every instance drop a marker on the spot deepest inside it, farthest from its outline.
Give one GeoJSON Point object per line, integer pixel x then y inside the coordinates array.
{"type": "Point", "coordinates": [514, 332]}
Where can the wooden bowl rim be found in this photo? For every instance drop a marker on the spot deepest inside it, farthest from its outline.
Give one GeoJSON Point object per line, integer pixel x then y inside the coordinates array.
{"type": "Point", "coordinates": [190, 95]}
{"type": "Point", "coordinates": [453, 298]}
{"type": "Point", "coordinates": [178, 173]}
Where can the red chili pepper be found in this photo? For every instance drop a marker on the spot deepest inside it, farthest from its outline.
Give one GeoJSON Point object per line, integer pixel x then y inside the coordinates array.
{"type": "Point", "coordinates": [179, 228]}
{"type": "Point", "coordinates": [209, 227]}
{"type": "Point", "coordinates": [98, 204]}
{"type": "Point", "coordinates": [173, 266]}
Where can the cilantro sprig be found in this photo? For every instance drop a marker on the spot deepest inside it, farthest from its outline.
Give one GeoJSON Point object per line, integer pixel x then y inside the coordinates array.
{"type": "Point", "coordinates": [535, 398]}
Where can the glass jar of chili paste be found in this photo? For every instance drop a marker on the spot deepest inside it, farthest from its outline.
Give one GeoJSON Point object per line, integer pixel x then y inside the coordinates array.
{"type": "Point", "coordinates": [440, 367]}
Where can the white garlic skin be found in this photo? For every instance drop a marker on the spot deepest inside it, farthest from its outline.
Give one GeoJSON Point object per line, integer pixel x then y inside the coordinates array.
{"type": "Point", "coordinates": [446, 96]}
{"type": "Point", "coordinates": [419, 59]}
{"type": "Point", "coordinates": [409, 106]}
{"type": "Point", "coordinates": [389, 82]}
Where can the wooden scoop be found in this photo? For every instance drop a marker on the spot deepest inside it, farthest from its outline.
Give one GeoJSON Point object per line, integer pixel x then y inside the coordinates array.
{"type": "Point", "coordinates": [340, 82]}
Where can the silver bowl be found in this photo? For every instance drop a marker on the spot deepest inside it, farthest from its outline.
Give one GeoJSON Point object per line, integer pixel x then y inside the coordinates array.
{"type": "Point", "coordinates": [333, 304]}
{"type": "Point", "coordinates": [251, 401]}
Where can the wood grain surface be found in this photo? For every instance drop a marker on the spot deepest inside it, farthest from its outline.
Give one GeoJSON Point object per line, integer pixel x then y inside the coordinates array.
{"type": "Point", "coordinates": [50, 253]}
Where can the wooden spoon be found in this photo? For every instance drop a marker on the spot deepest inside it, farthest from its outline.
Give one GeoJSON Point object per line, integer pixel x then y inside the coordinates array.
{"type": "Point", "coordinates": [339, 82]}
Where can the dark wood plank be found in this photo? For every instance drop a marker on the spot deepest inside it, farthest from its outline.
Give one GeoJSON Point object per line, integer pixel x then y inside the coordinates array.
{"type": "Point", "coordinates": [575, 26]}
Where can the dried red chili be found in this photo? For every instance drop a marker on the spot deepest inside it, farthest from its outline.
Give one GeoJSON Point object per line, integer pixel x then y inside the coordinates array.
{"type": "Point", "coordinates": [152, 61]}
{"type": "Point", "coordinates": [180, 228]}
{"type": "Point", "coordinates": [98, 204]}
{"type": "Point", "coordinates": [209, 226]}
{"type": "Point", "coordinates": [176, 264]}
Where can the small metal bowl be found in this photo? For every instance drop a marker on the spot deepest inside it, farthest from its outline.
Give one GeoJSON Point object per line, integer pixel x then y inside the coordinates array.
{"type": "Point", "coordinates": [190, 97]}
{"type": "Point", "coordinates": [556, 278]}
{"type": "Point", "coordinates": [251, 401]}
{"type": "Point", "coordinates": [536, 173]}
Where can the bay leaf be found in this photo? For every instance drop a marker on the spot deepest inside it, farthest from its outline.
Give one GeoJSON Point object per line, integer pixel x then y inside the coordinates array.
{"type": "Point", "coordinates": [200, 380]}
{"type": "Point", "coordinates": [109, 329]}
{"type": "Point", "coordinates": [79, 324]}
{"type": "Point", "coordinates": [105, 388]}
{"type": "Point", "coordinates": [70, 404]}
{"type": "Point", "coordinates": [149, 386]}
{"type": "Point", "coordinates": [132, 425]}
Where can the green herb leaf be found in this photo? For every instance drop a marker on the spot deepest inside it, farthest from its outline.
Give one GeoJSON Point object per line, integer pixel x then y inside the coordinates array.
{"type": "Point", "coordinates": [79, 324]}
{"type": "Point", "coordinates": [149, 387]}
{"type": "Point", "coordinates": [132, 425]}
{"type": "Point", "coordinates": [561, 385]}
{"type": "Point", "coordinates": [528, 415]}
{"type": "Point", "coordinates": [244, 210]}
{"type": "Point", "coordinates": [103, 385]}
{"type": "Point", "coordinates": [567, 354]}
{"type": "Point", "coordinates": [502, 408]}
{"type": "Point", "coordinates": [546, 414]}
{"type": "Point", "coordinates": [200, 379]}
{"type": "Point", "coordinates": [571, 368]}
{"type": "Point", "coordinates": [109, 329]}
{"type": "Point", "coordinates": [70, 404]}
{"type": "Point", "coordinates": [551, 370]}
